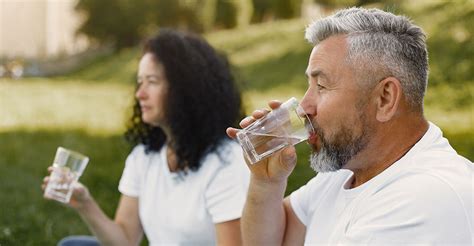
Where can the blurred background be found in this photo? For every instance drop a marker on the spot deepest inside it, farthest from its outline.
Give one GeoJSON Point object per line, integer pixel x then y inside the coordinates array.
{"type": "Point", "coordinates": [68, 68]}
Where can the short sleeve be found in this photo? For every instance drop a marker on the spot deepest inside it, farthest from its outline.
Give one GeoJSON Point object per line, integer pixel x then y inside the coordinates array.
{"type": "Point", "coordinates": [299, 200]}
{"type": "Point", "coordinates": [130, 182]}
{"type": "Point", "coordinates": [227, 191]}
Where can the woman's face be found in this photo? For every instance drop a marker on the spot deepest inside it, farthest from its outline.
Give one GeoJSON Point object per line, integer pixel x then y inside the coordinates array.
{"type": "Point", "coordinates": [152, 89]}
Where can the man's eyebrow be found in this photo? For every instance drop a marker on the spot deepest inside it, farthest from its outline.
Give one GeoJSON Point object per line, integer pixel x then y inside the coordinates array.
{"type": "Point", "coordinates": [314, 73]}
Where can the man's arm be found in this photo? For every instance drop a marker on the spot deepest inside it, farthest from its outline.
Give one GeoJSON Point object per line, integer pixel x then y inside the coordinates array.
{"type": "Point", "coordinates": [264, 219]}
{"type": "Point", "coordinates": [295, 231]}
{"type": "Point", "coordinates": [228, 233]}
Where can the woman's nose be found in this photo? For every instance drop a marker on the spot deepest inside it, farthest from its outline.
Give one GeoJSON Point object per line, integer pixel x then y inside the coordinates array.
{"type": "Point", "coordinates": [140, 93]}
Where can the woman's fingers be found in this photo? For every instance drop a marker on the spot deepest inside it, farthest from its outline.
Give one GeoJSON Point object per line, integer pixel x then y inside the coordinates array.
{"type": "Point", "coordinates": [45, 182]}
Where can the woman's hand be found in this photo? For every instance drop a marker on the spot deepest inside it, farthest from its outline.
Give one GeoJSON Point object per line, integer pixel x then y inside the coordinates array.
{"type": "Point", "coordinates": [80, 194]}
{"type": "Point", "coordinates": [278, 166]}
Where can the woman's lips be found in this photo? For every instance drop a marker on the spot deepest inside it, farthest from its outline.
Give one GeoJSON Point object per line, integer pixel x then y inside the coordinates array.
{"type": "Point", "coordinates": [144, 108]}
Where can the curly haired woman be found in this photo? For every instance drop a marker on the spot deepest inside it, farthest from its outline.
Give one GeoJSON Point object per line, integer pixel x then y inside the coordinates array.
{"type": "Point", "coordinates": [185, 182]}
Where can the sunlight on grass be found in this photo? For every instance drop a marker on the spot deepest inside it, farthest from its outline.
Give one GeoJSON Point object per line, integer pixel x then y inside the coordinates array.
{"type": "Point", "coordinates": [104, 108]}
{"type": "Point", "coordinates": [260, 42]}
{"type": "Point", "coordinates": [42, 104]}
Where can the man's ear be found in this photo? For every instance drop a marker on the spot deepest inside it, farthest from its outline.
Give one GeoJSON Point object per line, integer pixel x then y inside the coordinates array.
{"type": "Point", "coordinates": [388, 93]}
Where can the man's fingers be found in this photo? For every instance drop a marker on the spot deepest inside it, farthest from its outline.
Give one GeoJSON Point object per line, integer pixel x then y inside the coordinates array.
{"type": "Point", "coordinates": [246, 121]}
{"type": "Point", "coordinates": [231, 132]}
{"type": "Point", "coordinates": [274, 104]}
{"type": "Point", "coordinates": [257, 114]}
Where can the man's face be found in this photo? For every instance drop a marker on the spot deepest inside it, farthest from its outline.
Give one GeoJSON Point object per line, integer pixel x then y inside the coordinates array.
{"type": "Point", "coordinates": [336, 106]}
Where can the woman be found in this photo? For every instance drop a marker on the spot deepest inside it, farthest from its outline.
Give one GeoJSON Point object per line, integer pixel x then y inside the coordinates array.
{"type": "Point", "coordinates": [185, 182]}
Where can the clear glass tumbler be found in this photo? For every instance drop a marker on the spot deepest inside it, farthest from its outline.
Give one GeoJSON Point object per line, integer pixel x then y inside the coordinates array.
{"type": "Point", "coordinates": [68, 166]}
{"type": "Point", "coordinates": [284, 126]}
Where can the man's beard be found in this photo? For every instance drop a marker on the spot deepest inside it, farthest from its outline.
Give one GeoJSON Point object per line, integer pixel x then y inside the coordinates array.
{"type": "Point", "coordinates": [334, 155]}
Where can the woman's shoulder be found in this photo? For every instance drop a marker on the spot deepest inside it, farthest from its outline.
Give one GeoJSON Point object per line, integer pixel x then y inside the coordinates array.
{"type": "Point", "coordinates": [138, 150]}
{"type": "Point", "coordinates": [140, 153]}
{"type": "Point", "coordinates": [229, 147]}
{"type": "Point", "coordinates": [227, 155]}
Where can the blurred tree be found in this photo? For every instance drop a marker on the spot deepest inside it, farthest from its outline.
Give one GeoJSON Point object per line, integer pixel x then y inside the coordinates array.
{"type": "Point", "coordinates": [287, 9]}
{"type": "Point", "coordinates": [451, 42]}
{"type": "Point", "coordinates": [126, 22]}
{"type": "Point", "coordinates": [207, 13]}
{"type": "Point", "coordinates": [243, 12]}
{"type": "Point", "coordinates": [350, 3]}
{"type": "Point", "coordinates": [263, 10]}
{"type": "Point", "coordinates": [276, 9]}
{"type": "Point", "coordinates": [226, 15]}
{"type": "Point", "coordinates": [116, 21]}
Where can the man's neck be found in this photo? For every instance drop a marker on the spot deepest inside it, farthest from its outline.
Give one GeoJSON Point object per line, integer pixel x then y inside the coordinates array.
{"type": "Point", "coordinates": [392, 142]}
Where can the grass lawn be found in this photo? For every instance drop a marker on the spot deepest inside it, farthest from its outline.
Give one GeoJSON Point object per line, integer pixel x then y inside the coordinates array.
{"type": "Point", "coordinates": [87, 110]}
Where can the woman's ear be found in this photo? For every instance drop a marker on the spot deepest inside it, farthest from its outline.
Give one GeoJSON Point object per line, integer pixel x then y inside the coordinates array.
{"type": "Point", "coordinates": [388, 94]}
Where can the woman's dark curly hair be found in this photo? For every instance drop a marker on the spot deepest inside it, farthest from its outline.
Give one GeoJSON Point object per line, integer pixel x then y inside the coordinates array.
{"type": "Point", "coordinates": [201, 102]}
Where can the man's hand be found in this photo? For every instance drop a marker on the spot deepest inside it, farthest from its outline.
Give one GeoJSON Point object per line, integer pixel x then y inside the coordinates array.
{"type": "Point", "coordinates": [278, 166]}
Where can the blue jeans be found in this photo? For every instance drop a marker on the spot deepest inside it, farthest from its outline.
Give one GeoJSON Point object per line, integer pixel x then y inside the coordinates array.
{"type": "Point", "coordinates": [79, 241]}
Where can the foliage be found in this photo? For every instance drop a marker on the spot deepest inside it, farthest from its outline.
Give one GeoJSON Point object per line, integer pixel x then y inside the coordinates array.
{"type": "Point", "coordinates": [450, 41]}
{"type": "Point", "coordinates": [126, 22]}
{"type": "Point", "coordinates": [276, 9]}
{"type": "Point", "coordinates": [117, 21]}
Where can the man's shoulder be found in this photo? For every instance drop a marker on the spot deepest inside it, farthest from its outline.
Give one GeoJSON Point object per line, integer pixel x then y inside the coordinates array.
{"type": "Point", "coordinates": [421, 201]}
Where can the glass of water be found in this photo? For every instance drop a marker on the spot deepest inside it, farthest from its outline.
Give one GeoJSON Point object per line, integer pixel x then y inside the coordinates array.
{"type": "Point", "coordinates": [68, 166]}
{"type": "Point", "coordinates": [284, 126]}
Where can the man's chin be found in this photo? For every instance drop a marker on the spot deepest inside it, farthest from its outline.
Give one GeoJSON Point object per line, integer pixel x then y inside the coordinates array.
{"type": "Point", "coordinates": [322, 163]}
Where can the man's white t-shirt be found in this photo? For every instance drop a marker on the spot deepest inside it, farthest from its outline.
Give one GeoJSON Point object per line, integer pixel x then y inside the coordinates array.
{"type": "Point", "coordinates": [181, 210]}
{"type": "Point", "coordinates": [426, 197]}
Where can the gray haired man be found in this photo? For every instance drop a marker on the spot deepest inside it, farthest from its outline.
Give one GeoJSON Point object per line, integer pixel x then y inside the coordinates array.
{"type": "Point", "coordinates": [386, 174]}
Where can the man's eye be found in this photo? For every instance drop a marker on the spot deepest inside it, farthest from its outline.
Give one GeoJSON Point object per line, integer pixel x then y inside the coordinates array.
{"type": "Point", "coordinates": [320, 87]}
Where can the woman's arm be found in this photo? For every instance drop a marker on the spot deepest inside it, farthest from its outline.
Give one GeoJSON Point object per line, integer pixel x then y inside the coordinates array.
{"type": "Point", "coordinates": [125, 230]}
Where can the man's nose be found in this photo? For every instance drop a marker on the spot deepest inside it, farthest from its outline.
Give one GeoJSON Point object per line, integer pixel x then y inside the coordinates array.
{"type": "Point", "coordinates": [309, 104]}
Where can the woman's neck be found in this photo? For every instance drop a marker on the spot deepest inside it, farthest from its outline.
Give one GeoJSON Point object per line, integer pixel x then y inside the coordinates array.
{"type": "Point", "coordinates": [172, 160]}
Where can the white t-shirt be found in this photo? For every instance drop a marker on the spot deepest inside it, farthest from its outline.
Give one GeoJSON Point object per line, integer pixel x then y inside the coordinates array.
{"type": "Point", "coordinates": [426, 197]}
{"type": "Point", "coordinates": [182, 210]}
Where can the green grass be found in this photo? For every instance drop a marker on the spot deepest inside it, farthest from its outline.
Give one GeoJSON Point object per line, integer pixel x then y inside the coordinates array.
{"type": "Point", "coordinates": [87, 111]}
{"type": "Point", "coordinates": [28, 219]}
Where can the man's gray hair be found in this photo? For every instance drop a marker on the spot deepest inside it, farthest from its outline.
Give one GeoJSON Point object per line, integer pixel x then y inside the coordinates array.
{"type": "Point", "coordinates": [380, 45]}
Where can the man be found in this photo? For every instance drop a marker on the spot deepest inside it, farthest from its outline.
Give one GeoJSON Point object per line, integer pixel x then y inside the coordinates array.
{"type": "Point", "coordinates": [386, 174]}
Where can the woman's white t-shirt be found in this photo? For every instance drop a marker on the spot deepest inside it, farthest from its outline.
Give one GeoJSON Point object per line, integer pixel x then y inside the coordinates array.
{"type": "Point", "coordinates": [177, 209]}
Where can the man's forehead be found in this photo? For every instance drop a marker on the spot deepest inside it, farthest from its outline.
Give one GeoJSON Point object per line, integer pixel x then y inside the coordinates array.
{"type": "Point", "coordinates": [333, 43]}
{"type": "Point", "coordinates": [330, 48]}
